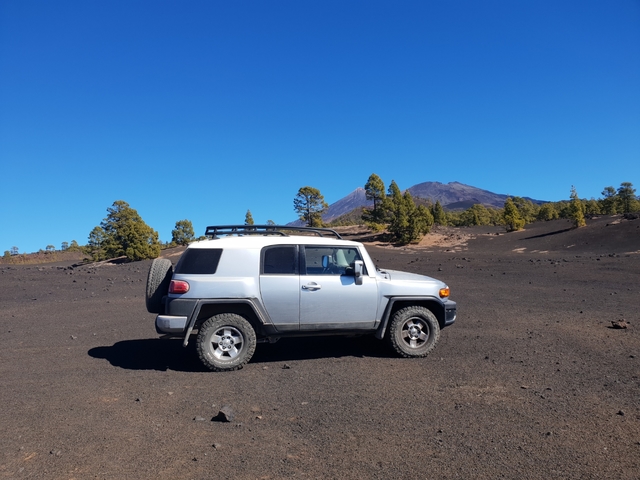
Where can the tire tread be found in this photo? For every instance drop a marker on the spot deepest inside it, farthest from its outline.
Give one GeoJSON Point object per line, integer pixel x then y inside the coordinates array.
{"type": "Point", "coordinates": [398, 319]}
{"type": "Point", "coordinates": [216, 322]}
{"type": "Point", "coordinates": [160, 273]}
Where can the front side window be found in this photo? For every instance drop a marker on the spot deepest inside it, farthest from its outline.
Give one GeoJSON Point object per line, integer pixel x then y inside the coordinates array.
{"type": "Point", "coordinates": [330, 260]}
{"type": "Point", "coordinates": [280, 260]}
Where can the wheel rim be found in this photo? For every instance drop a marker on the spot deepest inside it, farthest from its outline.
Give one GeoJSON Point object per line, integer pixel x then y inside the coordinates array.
{"type": "Point", "coordinates": [415, 332]}
{"type": "Point", "coordinates": [226, 343]}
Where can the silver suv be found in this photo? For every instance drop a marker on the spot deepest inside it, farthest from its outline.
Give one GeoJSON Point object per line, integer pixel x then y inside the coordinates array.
{"type": "Point", "coordinates": [259, 283]}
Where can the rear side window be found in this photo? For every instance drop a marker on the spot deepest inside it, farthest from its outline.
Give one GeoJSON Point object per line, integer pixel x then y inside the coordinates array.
{"type": "Point", "coordinates": [201, 261]}
{"type": "Point", "coordinates": [280, 260]}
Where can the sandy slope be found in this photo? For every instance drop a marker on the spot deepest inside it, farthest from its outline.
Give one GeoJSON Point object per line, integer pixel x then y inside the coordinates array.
{"type": "Point", "coordinates": [529, 383]}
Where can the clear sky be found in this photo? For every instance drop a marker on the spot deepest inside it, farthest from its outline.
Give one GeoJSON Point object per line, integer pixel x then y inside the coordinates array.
{"type": "Point", "coordinates": [201, 110]}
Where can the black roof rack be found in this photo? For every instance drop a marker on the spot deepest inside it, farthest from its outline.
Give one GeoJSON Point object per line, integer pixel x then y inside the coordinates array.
{"type": "Point", "coordinates": [217, 230]}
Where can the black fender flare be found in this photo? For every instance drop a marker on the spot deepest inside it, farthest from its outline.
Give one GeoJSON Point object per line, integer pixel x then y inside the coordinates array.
{"type": "Point", "coordinates": [434, 304]}
{"type": "Point", "coordinates": [253, 303]}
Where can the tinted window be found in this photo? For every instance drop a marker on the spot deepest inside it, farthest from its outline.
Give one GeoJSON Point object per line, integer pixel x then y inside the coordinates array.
{"type": "Point", "coordinates": [199, 261]}
{"type": "Point", "coordinates": [280, 260]}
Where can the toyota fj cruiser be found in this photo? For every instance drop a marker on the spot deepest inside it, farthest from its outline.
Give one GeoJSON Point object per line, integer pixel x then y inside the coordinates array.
{"type": "Point", "coordinates": [258, 283]}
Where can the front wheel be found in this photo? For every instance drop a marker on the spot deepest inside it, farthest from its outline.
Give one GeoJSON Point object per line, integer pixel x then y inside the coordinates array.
{"type": "Point", "coordinates": [226, 342]}
{"type": "Point", "coordinates": [414, 332]}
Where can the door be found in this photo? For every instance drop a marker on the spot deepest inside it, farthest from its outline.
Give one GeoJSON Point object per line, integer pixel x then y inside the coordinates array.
{"type": "Point", "coordinates": [329, 296]}
{"type": "Point", "coordinates": [280, 286]}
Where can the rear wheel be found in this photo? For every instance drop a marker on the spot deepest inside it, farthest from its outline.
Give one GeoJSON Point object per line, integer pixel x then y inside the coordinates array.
{"type": "Point", "coordinates": [226, 342]}
{"type": "Point", "coordinates": [414, 331]}
{"type": "Point", "coordinates": [158, 280]}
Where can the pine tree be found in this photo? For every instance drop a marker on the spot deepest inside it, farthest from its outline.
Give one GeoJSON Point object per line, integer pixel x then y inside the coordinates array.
{"type": "Point", "coordinates": [608, 202]}
{"type": "Point", "coordinates": [309, 205]}
{"type": "Point", "coordinates": [421, 222]}
{"type": "Point", "coordinates": [127, 234]}
{"type": "Point", "coordinates": [528, 211]}
{"type": "Point", "coordinates": [74, 247]}
{"type": "Point", "coordinates": [248, 218]}
{"type": "Point", "coordinates": [402, 211]}
{"type": "Point", "coordinates": [547, 212]}
{"type": "Point", "coordinates": [95, 245]}
{"type": "Point", "coordinates": [183, 233]}
{"type": "Point", "coordinates": [591, 207]}
{"type": "Point", "coordinates": [439, 215]}
{"type": "Point", "coordinates": [627, 198]}
{"type": "Point", "coordinates": [374, 190]}
{"type": "Point", "coordinates": [577, 209]}
{"type": "Point", "coordinates": [476, 215]}
{"type": "Point", "coordinates": [512, 218]}
{"type": "Point", "coordinates": [409, 222]}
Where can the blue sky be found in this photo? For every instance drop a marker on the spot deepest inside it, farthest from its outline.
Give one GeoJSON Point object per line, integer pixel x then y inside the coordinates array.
{"type": "Point", "coordinates": [201, 110]}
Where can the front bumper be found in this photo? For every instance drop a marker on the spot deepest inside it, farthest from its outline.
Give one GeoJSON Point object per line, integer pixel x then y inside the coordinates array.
{"type": "Point", "coordinates": [450, 312]}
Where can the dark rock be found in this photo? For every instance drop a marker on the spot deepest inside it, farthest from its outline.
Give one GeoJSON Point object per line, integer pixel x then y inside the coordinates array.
{"type": "Point", "coordinates": [226, 414]}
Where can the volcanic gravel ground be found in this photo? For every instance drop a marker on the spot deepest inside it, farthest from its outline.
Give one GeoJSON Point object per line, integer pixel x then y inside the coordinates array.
{"type": "Point", "coordinates": [531, 381]}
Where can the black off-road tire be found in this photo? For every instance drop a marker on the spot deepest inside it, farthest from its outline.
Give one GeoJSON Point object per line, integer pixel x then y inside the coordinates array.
{"type": "Point", "coordinates": [414, 332]}
{"type": "Point", "coordinates": [158, 280]}
{"type": "Point", "coordinates": [226, 342]}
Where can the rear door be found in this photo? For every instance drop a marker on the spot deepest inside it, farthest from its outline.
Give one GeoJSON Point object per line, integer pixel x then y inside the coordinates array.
{"type": "Point", "coordinates": [280, 285]}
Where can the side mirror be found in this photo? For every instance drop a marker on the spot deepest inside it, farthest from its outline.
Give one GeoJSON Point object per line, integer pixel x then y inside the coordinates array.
{"type": "Point", "coordinates": [325, 261]}
{"type": "Point", "coordinates": [358, 270]}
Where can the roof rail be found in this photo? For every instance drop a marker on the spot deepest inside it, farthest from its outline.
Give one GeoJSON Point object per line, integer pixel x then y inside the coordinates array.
{"type": "Point", "coordinates": [215, 231]}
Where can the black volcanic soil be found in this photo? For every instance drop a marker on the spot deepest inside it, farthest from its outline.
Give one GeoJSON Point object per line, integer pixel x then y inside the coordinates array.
{"type": "Point", "coordinates": [531, 381]}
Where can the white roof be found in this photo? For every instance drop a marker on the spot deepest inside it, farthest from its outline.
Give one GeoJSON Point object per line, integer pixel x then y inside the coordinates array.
{"type": "Point", "coordinates": [259, 241]}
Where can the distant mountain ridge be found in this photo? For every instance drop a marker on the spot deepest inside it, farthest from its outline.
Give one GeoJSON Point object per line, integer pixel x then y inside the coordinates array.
{"type": "Point", "coordinates": [456, 195]}
{"type": "Point", "coordinates": [452, 196]}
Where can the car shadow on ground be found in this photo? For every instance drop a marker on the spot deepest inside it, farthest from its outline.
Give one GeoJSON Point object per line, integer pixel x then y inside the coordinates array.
{"type": "Point", "coordinates": [309, 348]}
{"type": "Point", "coordinates": [169, 354]}
{"type": "Point", "coordinates": [557, 232]}
{"type": "Point", "coordinates": [150, 354]}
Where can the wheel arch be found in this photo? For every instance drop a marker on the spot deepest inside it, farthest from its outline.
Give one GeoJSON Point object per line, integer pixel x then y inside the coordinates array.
{"type": "Point", "coordinates": [245, 307]}
{"type": "Point", "coordinates": [398, 303]}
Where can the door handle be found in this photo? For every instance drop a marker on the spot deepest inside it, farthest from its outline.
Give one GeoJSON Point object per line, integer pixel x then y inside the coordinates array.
{"type": "Point", "coordinates": [312, 287]}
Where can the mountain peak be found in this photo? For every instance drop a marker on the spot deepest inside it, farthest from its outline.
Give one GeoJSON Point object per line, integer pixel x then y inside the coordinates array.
{"type": "Point", "coordinates": [452, 196]}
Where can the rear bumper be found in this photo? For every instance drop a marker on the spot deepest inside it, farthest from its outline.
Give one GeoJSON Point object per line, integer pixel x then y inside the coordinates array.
{"type": "Point", "coordinates": [176, 315]}
{"type": "Point", "coordinates": [171, 324]}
